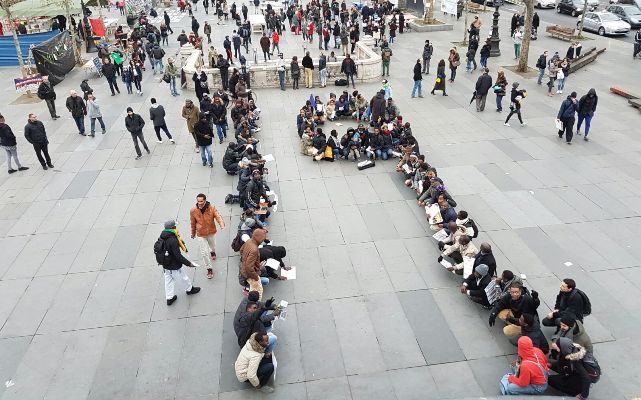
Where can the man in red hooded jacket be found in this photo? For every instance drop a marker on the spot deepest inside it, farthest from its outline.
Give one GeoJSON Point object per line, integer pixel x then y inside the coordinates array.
{"type": "Point", "coordinates": [531, 371]}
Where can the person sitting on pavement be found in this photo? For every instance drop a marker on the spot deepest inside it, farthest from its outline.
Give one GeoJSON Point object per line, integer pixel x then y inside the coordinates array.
{"type": "Point", "coordinates": [574, 330]}
{"type": "Point", "coordinates": [250, 268]}
{"type": "Point", "coordinates": [506, 280]}
{"type": "Point", "coordinates": [573, 378]}
{"type": "Point", "coordinates": [430, 195]}
{"type": "Point", "coordinates": [510, 307]}
{"type": "Point", "coordinates": [531, 328]}
{"type": "Point", "coordinates": [448, 213]}
{"type": "Point", "coordinates": [463, 247]}
{"type": "Point", "coordinates": [254, 364]}
{"type": "Point", "coordinates": [530, 371]}
{"type": "Point", "coordinates": [568, 302]}
{"type": "Point", "coordinates": [474, 285]}
{"type": "Point", "coordinates": [462, 218]}
{"type": "Point", "coordinates": [485, 256]}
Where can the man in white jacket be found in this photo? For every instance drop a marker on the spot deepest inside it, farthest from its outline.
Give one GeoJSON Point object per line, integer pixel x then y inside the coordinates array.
{"type": "Point", "coordinates": [253, 364]}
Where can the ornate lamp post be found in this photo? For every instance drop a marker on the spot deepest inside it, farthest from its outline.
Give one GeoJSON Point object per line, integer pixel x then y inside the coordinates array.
{"type": "Point", "coordinates": [495, 51]}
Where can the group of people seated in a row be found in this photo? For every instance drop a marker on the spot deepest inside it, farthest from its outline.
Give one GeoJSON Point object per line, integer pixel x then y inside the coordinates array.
{"type": "Point", "coordinates": [569, 353]}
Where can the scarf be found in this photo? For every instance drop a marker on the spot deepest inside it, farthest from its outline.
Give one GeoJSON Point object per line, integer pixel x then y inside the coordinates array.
{"type": "Point", "coordinates": [180, 241]}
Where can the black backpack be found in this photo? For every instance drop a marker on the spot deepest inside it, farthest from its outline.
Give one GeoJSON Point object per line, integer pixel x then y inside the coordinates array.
{"type": "Point", "coordinates": [587, 306]}
{"type": "Point", "coordinates": [162, 252]}
{"type": "Point", "coordinates": [592, 367]}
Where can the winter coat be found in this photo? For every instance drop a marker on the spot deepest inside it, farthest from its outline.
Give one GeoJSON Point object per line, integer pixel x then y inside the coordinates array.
{"type": "Point", "coordinates": [440, 74]}
{"type": "Point", "coordinates": [348, 67]}
{"type": "Point", "coordinates": [157, 115]}
{"type": "Point", "coordinates": [427, 52]}
{"type": "Point", "coordinates": [476, 288]}
{"type": "Point", "coordinates": [569, 304]}
{"type": "Point", "coordinates": [567, 110]}
{"type": "Point", "coordinates": [570, 368]}
{"type": "Point", "coordinates": [219, 114]}
{"type": "Point", "coordinates": [134, 123]}
{"type": "Point", "coordinates": [191, 115]}
{"type": "Point", "coordinates": [93, 109]}
{"type": "Point", "coordinates": [231, 157]}
{"type": "Point", "coordinates": [377, 105]}
{"type": "Point", "coordinates": [76, 106]}
{"type": "Point", "coordinates": [248, 360]}
{"type": "Point", "coordinates": [483, 85]}
{"type": "Point", "coordinates": [175, 260]}
{"type": "Point", "coordinates": [418, 76]}
{"type": "Point", "coordinates": [307, 62]}
{"type": "Point", "coordinates": [202, 220]}
{"type": "Point", "coordinates": [264, 44]}
{"type": "Point", "coordinates": [35, 133]}
{"type": "Point", "coordinates": [532, 367]}
{"type": "Point", "coordinates": [203, 132]}
{"type": "Point", "coordinates": [46, 91]}
{"type": "Point", "coordinates": [157, 52]}
{"type": "Point", "coordinates": [587, 103]}
{"type": "Point", "coordinates": [7, 138]}
{"type": "Point", "coordinates": [247, 324]}
{"type": "Point", "coordinates": [295, 69]}
{"type": "Point", "coordinates": [109, 70]}
{"type": "Point", "coordinates": [250, 256]}
{"type": "Point", "coordinates": [487, 259]}
{"type": "Point", "coordinates": [525, 304]}
{"type": "Point", "coordinates": [578, 335]}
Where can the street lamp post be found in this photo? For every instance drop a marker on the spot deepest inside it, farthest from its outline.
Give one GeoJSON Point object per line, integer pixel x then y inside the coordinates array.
{"type": "Point", "coordinates": [495, 51]}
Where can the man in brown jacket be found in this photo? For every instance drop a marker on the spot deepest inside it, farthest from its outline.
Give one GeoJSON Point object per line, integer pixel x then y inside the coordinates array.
{"type": "Point", "coordinates": [190, 114]}
{"type": "Point", "coordinates": [202, 219]}
{"type": "Point", "coordinates": [250, 262]}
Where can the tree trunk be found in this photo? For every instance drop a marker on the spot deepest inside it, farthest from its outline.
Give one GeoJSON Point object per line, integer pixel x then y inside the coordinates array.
{"type": "Point", "coordinates": [430, 13]}
{"type": "Point", "coordinates": [466, 10]}
{"type": "Point", "coordinates": [527, 34]}
{"type": "Point", "coordinates": [76, 49]}
{"type": "Point", "coordinates": [585, 9]}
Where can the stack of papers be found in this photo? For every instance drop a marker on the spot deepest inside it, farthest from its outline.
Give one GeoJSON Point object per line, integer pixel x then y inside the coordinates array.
{"type": "Point", "coordinates": [289, 274]}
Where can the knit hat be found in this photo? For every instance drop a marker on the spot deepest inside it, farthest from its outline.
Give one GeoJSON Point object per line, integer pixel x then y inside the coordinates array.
{"type": "Point", "coordinates": [568, 320]}
{"type": "Point", "coordinates": [130, 109]}
{"type": "Point", "coordinates": [171, 224]}
{"type": "Point", "coordinates": [482, 269]}
{"type": "Point", "coordinates": [565, 345]}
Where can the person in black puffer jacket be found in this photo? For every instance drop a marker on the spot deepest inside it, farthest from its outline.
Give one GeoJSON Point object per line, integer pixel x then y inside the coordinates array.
{"type": "Point", "coordinates": [134, 124]}
{"type": "Point", "coordinates": [9, 144]}
{"type": "Point", "coordinates": [36, 134]}
{"type": "Point", "coordinates": [204, 135]}
{"type": "Point", "coordinates": [587, 108]}
{"type": "Point", "coordinates": [231, 159]}
{"type": "Point", "coordinates": [174, 261]}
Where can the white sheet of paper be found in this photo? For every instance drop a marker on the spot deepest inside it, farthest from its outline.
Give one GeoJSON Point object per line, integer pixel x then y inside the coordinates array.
{"type": "Point", "coordinates": [469, 231]}
{"type": "Point", "coordinates": [283, 304]}
{"type": "Point", "coordinates": [440, 235]}
{"type": "Point", "coordinates": [269, 157]}
{"type": "Point", "coordinates": [468, 265]}
{"type": "Point", "coordinates": [434, 213]}
{"type": "Point", "coordinates": [558, 124]}
{"type": "Point", "coordinates": [275, 364]}
{"type": "Point", "coordinates": [406, 168]}
{"type": "Point", "coordinates": [291, 274]}
{"type": "Point", "coordinates": [272, 263]}
{"type": "Point", "coordinates": [446, 264]}
{"type": "Point", "coordinates": [568, 264]}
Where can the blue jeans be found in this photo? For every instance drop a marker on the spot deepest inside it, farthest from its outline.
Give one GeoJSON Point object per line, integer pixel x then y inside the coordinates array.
{"type": "Point", "coordinates": [221, 130]}
{"type": "Point", "coordinates": [209, 158]}
{"type": "Point", "coordinates": [172, 86]}
{"type": "Point", "coordinates": [561, 83]}
{"type": "Point", "coordinates": [452, 74]}
{"type": "Point", "coordinates": [80, 123]}
{"type": "Point", "coordinates": [323, 76]}
{"type": "Point", "coordinates": [384, 153]}
{"type": "Point", "coordinates": [508, 388]}
{"type": "Point", "coordinates": [499, 101]}
{"type": "Point", "coordinates": [417, 87]}
{"type": "Point", "coordinates": [517, 50]}
{"type": "Point", "coordinates": [158, 66]}
{"type": "Point", "coordinates": [281, 79]}
{"type": "Point", "coordinates": [588, 120]}
{"type": "Point", "coordinates": [483, 62]}
{"type": "Point", "coordinates": [102, 124]}
{"type": "Point", "coordinates": [541, 73]}
{"type": "Point", "coordinates": [368, 113]}
{"type": "Point", "coordinates": [273, 340]}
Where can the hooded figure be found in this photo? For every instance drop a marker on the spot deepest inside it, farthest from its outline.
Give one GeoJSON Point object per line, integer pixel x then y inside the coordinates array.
{"type": "Point", "coordinates": [475, 284]}
{"type": "Point", "coordinates": [586, 110]}
{"type": "Point", "coordinates": [531, 372]}
{"type": "Point", "coordinates": [573, 378]}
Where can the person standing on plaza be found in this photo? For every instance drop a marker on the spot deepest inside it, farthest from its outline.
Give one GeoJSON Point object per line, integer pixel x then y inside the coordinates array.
{"type": "Point", "coordinates": [36, 134]}
{"type": "Point", "coordinates": [295, 72]}
{"type": "Point", "coordinates": [541, 64]}
{"type": "Point", "coordinates": [194, 25]}
{"type": "Point", "coordinates": [566, 116]}
{"type": "Point", "coordinates": [207, 31]}
{"type": "Point", "coordinates": [275, 42]}
{"type": "Point", "coordinates": [190, 112]}
{"type": "Point", "coordinates": [428, 50]}
{"type": "Point", "coordinates": [439, 83]}
{"type": "Point", "coordinates": [483, 86]}
{"type": "Point", "coordinates": [9, 144]}
{"type": "Point", "coordinates": [203, 218]}
{"type": "Point", "coordinates": [280, 68]}
{"type": "Point", "coordinates": [455, 60]}
{"type": "Point", "coordinates": [47, 93]}
{"type": "Point", "coordinates": [204, 138]}
{"type": "Point", "coordinates": [418, 78]}
{"type": "Point", "coordinates": [93, 112]}
{"type": "Point", "coordinates": [170, 246]}
{"type": "Point", "coordinates": [500, 88]}
{"type": "Point", "coordinates": [168, 22]}
{"type": "Point", "coordinates": [78, 110]}
{"type": "Point", "coordinates": [109, 71]}
{"type": "Point", "coordinates": [134, 124]}
{"type": "Point", "coordinates": [322, 69]}
{"type": "Point", "coordinates": [348, 67]}
{"type": "Point", "coordinates": [172, 72]}
{"type": "Point", "coordinates": [517, 38]}
{"type": "Point", "coordinates": [386, 56]}
{"type": "Point", "coordinates": [586, 110]}
{"type": "Point", "coordinates": [516, 96]}
{"type": "Point", "coordinates": [308, 69]}
{"type": "Point", "coordinates": [157, 117]}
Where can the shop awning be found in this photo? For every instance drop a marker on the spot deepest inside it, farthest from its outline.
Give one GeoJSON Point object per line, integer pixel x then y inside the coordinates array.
{"type": "Point", "coordinates": [41, 8]}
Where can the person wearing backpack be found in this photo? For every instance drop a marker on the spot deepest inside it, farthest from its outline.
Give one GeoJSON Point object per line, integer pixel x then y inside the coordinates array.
{"type": "Point", "coordinates": [576, 369]}
{"type": "Point", "coordinates": [569, 302]}
{"type": "Point", "coordinates": [575, 331]}
{"type": "Point", "coordinates": [168, 249]}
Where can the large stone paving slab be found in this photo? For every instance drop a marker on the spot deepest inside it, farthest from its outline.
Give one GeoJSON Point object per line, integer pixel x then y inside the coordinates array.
{"type": "Point", "coordinates": [372, 315]}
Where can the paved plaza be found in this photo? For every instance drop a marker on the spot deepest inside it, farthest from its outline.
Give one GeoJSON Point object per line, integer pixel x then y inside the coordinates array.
{"type": "Point", "coordinates": [372, 315]}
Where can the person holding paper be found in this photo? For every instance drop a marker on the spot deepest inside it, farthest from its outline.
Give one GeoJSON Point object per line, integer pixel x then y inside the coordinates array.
{"type": "Point", "coordinates": [448, 214]}
{"type": "Point", "coordinates": [253, 364]}
{"type": "Point", "coordinates": [250, 262]}
{"type": "Point", "coordinates": [455, 232]}
{"type": "Point", "coordinates": [530, 372]}
{"type": "Point", "coordinates": [462, 218]}
{"type": "Point", "coordinates": [461, 248]}
{"type": "Point", "coordinates": [475, 284]}
{"type": "Point", "coordinates": [486, 257]}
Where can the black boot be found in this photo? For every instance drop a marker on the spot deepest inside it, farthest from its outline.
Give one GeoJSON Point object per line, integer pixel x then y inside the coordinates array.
{"type": "Point", "coordinates": [194, 290]}
{"type": "Point", "coordinates": [171, 301]}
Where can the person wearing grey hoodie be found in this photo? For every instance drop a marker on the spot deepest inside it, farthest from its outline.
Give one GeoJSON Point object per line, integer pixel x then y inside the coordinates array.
{"type": "Point", "coordinates": [93, 112]}
{"type": "Point", "coordinates": [573, 378]}
{"type": "Point", "coordinates": [475, 284]}
{"type": "Point", "coordinates": [157, 116]}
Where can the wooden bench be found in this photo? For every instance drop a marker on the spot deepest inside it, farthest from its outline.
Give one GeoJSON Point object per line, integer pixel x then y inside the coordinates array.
{"type": "Point", "coordinates": [561, 32]}
{"type": "Point", "coordinates": [633, 99]}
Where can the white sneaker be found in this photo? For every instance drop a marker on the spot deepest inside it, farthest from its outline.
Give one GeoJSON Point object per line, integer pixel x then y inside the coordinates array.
{"type": "Point", "coordinates": [558, 91]}
{"type": "Point", "coordinates": [172, 140]}
{"type": "Point", "coordinates": [506, 124]}
{"type": "Point", "coordinates": [523, 123]}
{"type": "Point", "coordinates": [159, 141]}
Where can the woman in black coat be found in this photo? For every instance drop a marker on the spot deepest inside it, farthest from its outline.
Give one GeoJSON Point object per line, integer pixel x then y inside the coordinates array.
{"type": "Point", "coordinates": [200, 84]}
{"type": "Point", "coordinates": [440, 78]}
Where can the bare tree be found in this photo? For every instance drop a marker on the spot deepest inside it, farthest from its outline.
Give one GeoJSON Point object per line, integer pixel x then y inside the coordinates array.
{"type": "Point", "coordinates": [527, 34]}
{"type": "Point", "coordinates": [466, 9]}
{"type": "Point", "coordinates": [429, 16]}
{"type": "Point", "coordinates": [6, 7]}
{"type": "Point", "coordinates": [585, 9]}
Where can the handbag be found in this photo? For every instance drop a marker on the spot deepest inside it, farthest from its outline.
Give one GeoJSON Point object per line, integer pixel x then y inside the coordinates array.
{"type": "Point", "coordinates": [166, 78]}
{"type": "Point", "coordinates": [456, 63]}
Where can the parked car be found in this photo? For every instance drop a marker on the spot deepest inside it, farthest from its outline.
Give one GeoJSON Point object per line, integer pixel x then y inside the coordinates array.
{"type": "Point", "coordinates": [572, 7]}
{"type": "Point", "coordinates": [633, 2]}
{"type": "Point", "coordinates": [628, 13]}
{"type": "Point", "coordinates": [488, 3]}
{"type": "Point", "coordinates": [604, 23]}
{"type": "Point", "coordinates": [545, 4]}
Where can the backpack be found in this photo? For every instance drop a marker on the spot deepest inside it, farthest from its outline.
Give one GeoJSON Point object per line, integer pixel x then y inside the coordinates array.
{"type": "Point", "coordinates": [237, 243]}
{"type": "Point", "coordinates": [592, 367]}
{"type": "Point", "coordinates": [162, 252]}
{"type": "Point", "coordinates": [587, 306]}
{"type": "Point", "coordinates": [341, 82]}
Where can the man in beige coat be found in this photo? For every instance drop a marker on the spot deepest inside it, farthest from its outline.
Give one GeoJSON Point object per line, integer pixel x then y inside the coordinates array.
{"type": "Point", "coordinates": [203, 218]}
{"type": "Point", "coordinates": [253, 364]}
{"type": "Point", "coordinates": [190, 113]}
